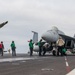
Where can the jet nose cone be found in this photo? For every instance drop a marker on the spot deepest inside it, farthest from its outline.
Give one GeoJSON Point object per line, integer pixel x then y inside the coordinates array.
{"type": "Point", "coordinates": [50, 36]}
{"type": "Point", "coordinates": [44, 36]}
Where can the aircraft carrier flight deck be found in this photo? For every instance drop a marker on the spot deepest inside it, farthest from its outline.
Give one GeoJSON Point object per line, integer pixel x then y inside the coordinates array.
{"type": "Point", "coordinates": [23, 64]}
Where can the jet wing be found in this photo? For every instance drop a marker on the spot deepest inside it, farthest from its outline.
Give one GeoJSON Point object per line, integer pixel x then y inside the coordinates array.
{"type": "Point", "coordinates": [2, 24]}
{"type": "Point", "coordinates": [67, 37]}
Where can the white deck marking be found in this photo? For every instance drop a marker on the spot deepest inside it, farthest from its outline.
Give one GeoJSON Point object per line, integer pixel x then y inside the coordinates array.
{"type": "Point", "coordinates": [66, 62]}
{"type": "Point", "coordinates": [67, 65]}
{"type": "Point", "coordinates": [14, 59]}
{"type": "Point", "coordinates": [47, 69]}
{"type": "Point", "coordinates": [72, 72]}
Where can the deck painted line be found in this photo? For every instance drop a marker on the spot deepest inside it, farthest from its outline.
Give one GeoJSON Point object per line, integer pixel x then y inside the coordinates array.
{"type": "Point", "coordinates": [14, 59]}
{"type": "Point", "coordinates": [65, 59]}
{"type": "Point", "coordinates": [67, 65]}
{"type": "Point", "coordinates": [72, 72]}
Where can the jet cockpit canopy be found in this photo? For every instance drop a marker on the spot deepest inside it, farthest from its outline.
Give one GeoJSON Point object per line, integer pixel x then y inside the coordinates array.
{"type": "Point", "coordinates": [54, 28]}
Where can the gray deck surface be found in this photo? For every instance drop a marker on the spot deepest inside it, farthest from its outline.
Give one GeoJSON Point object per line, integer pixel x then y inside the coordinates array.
{"type": "Point", "coordinates": [35, 65]}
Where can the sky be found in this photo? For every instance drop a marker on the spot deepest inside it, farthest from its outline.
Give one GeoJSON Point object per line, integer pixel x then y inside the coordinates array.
{"type": "Point", "coordinates": [24, 16]}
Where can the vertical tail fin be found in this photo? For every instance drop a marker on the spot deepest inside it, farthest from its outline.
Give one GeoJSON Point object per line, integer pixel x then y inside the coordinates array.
{"type": "Point", "coordinates": [74, 35]}
{"type": "Point", "coordinates": [35, 37]}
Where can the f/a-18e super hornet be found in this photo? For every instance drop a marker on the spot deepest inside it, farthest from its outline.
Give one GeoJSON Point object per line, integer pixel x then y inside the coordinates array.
{"type": "Point", "coordinates": [51, 36]}
{"type": "Point", "coordinates": [2, 24]}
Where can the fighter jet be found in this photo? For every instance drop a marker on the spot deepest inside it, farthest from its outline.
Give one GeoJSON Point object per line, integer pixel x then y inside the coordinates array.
{"type": "Point", "coordinates": [2, 24]}
{"type": "Point", "coordinates": [51, 36]}
{"type": "Point", "coordinates": [54, 34]}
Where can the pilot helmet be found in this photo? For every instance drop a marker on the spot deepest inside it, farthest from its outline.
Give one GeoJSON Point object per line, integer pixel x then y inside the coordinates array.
{"type": "Point", "coordinates": [60, 37]}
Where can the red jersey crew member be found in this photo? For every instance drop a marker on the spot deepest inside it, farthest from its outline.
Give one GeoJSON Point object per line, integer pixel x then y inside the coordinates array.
{"type": "Point", "coordinates": [1, 51]}
{"type": "Point", "coordinates": [2, 47]}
